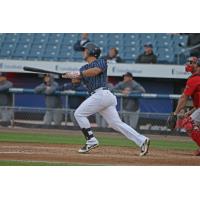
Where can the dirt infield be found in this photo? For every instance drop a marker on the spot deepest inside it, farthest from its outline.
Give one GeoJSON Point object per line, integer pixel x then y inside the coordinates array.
{"type": "Point", "coordinates": [104, 155]}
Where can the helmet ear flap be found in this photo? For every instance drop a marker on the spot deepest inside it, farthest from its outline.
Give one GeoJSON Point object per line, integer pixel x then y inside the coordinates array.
{"type": "Point", "coordinates": [192, 60]}
{"type": "Point", "coordinates": [93, 50]}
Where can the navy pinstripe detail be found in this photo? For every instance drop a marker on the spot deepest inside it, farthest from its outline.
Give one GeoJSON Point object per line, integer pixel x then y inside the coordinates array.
{"type": "Point", "coordinates": [98, 81]}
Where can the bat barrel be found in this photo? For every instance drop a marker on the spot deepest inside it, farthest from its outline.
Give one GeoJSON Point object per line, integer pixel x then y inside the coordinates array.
{"type": "Point", "coordinates": [37, 70]}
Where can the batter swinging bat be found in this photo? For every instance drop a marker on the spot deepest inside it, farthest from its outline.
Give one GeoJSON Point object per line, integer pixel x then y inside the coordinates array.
{"type": "Point", "coordinates": [42, 71]}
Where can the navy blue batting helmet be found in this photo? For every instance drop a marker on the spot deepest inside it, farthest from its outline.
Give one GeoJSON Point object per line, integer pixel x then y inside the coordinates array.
{"type": "Point", "coordinates": [93, 49]}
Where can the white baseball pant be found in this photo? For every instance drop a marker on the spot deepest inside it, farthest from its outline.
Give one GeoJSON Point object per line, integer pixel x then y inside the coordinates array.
{"type": "Point", "coordinates": [104, 103]}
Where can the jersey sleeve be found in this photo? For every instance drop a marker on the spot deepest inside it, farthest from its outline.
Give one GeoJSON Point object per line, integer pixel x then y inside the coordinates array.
{"type": "Point", "coordinates": [190, 87]}
{"type": "Point", "coordinates": [102, 64]}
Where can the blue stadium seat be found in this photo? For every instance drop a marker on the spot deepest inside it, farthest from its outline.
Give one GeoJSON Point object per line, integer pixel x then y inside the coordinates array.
{"type": "Point", "coordinates": [63, 55]}
{"type": "Point", "coordinates": [130, 56]}
{"type": "Point", "coordinates": [59, 46]}
{"type": "Point", "coordinates": [26, 35]}
{"type": "Point", "coordinates": [35, 54]}
{"type": "Point", "coordinates": [104, 50]}
{"type": "Point", "coordinates": [147, 36]}
{"type": "Point", "coordinates": [165, 43]}
{"type": "Point", "coordinates": [180, 39]}
{"type": "Point", "coordinates": [101, 42]}
{"type": "Point", "coordinates": [11, 37]}
{"type": "Point", "coordinates": [115, 36]}
{"type": "Point", "coordinates": [52, 47]}
{"type": "Point", "coordinates": [77, 56]}
{"type": "Point", "coordinates": [50, 55]}
{"type": "Point", "coordinates": [131, 36]}
{"type": "Point", "coordinates": [5, 53]}
{"type": "Point", "coordinates": [7, 49]}
{"type": "Point", "coordinates": [54, 40]}
{"type": "Point", "coordinates": [41, 35]}
{"type": "Point", "coordinates": [68, 41]}
{"type": "Point", "coordinates": [166, 58]}
{"type": "Point", "coordinates": [132, 49]}
{"type": "Point", "coordinates": [20, 46]}
{"type": "Point", "coordinates": [165, 50]}
{"type": "Point", "coordinates": [178, 50]}
{"type": "Point", "coordinates": [26, 38]}
{"type": "Point", "coordinates": [132, 42]}
{"type": "Point", "coordinates": [38, 47]}
{"type": "Point", "coordinates": [56, 35]}
{"type": "Point", "coordinates": [115, 43]}
{"type": "Point", "coordinates": [2, 36]}
{"type": "Point", "coordinates": [21, 50]}
{"type": "Point", "coordinates": [66, 48]}
{"type": "Point", "coordinates": [38, 40]}
{"type": "Point", "coordinates": [20, 53]}
{"type": "Point", "coordinates": [163, 37]}
{"type": "Point", "coordinates": [99, 36]}
{"type": "Point", "coordinates": [72, 36]}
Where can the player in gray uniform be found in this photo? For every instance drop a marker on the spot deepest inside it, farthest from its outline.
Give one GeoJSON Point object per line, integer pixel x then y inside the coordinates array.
{"type": "Point", "coordinates": [101, 100]}
{"type": "Point", "coordinates": [130, 106]}
{"type": "Point", "coordinates": [6, 113]}
{"type": "Point", "coordinates": [53, 102]}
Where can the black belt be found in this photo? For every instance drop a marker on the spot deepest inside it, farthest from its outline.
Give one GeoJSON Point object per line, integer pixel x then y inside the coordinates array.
{"type": "Point", "coordinates": [103, 88]}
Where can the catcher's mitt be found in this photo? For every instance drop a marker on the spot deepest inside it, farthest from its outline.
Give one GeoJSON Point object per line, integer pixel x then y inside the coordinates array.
{"type": "Point", "coordinates": [171, 121]}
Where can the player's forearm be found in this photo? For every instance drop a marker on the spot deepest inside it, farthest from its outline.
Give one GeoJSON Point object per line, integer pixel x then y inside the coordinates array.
{"type": "Point", "coordinates": [181, 103]}
{"type": "Point", "coordinates": [91, 72]}
{"type": "Point", "coordinates": [87, 73]}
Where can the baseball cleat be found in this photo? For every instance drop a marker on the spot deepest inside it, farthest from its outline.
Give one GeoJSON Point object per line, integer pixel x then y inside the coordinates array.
{"type": "Point", "coordinates": [197, 152]}
{"type": "Point", "coordinates": [88, 147]}
{"type": "Point", "coordinates": [145, 147]}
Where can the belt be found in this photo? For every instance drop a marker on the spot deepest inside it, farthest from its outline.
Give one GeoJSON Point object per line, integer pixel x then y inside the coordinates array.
{"type": "Point", "coordinates": [101, 88]}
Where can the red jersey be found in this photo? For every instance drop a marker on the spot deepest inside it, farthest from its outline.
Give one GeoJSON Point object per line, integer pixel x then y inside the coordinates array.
{"type": "Point", "coordinates": [193, 89]}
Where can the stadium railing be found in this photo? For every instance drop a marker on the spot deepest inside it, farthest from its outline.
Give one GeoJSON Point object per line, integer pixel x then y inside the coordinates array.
{"type": "Point", "coordinates": [33, 117]}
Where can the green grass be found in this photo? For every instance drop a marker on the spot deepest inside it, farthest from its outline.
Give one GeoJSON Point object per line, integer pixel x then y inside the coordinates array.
{"type": "Point", "coordinates": [78, 139]}
{"type": "Point", "coordinates": [35, 163]}
{"type": "Point", "coordinates": [107, 140]}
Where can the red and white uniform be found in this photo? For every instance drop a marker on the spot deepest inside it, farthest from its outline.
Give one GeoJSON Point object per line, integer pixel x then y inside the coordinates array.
{"type": "Point", "coordinates": [193, 89]}
{"type": "Point", "coordinates": [192, 123]}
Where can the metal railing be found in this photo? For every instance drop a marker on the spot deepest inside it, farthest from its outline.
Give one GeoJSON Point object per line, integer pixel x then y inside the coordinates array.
{"type": "Point", "coordinates": [34, 117]}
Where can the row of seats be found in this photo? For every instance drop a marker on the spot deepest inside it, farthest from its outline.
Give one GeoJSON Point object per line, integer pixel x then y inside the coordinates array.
{"type": "Point", "coordinates": [59, 46]}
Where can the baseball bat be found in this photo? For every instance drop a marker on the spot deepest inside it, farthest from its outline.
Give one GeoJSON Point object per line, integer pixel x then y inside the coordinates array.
{"type": "Point", "coordinates": [42, 71]}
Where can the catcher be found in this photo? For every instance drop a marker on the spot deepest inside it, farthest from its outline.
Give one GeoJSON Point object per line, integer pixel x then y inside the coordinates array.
{"type": "Point", "coordinates": [191, 119]}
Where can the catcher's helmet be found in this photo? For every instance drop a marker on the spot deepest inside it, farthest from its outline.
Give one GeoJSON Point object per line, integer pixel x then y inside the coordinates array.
{"type": "Point", "coordinates": [190, 62]}
{"type": "Point", "coordinates": [93, 49]}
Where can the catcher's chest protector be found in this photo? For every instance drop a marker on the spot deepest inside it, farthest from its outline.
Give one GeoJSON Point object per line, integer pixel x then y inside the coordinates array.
{"type": "Point", "coordinates": [196, 95]}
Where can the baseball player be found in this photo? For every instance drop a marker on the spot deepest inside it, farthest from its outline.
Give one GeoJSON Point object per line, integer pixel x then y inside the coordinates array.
{"type": "Point", "coordinates": [53, 102]}
{"type": "Point", "coordinates": [6, 113]}
{"type": "Point", "coordinates": [191, 120]}
{"type": "Point", "coordinates": [101, 100]}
